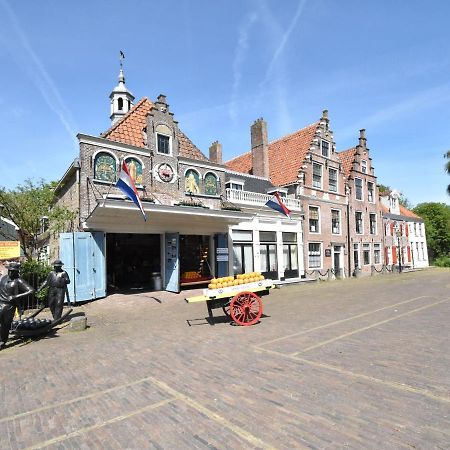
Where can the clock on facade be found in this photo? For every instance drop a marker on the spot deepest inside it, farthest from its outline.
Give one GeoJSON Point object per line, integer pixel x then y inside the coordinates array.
{"type": "Point", "coordinates": [165, 173]}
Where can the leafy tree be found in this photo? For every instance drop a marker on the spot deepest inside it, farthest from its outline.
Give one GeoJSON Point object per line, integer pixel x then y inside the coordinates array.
{"type": "Point", "coordinates": [437, 223]}
{"type": "Point", "coordinates": [447, 168]}
{"type": "Point", "coordinates": [26, 205]}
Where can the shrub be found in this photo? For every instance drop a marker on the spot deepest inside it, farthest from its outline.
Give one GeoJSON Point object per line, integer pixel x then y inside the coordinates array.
{"type": "Point", "coordinates": [35, 273]}
{"type": "Point", "coordinates": [442, 261]}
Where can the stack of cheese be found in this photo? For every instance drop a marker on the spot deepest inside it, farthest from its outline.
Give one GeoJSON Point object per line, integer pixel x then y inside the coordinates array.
{"type": "Point", "coordinates": [243, 278]}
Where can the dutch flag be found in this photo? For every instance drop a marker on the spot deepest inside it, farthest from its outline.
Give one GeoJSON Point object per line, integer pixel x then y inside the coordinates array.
{"type": "Point", "coordinates": [275, 203]}
{"type": "Point", "coordinates": [126, 185]}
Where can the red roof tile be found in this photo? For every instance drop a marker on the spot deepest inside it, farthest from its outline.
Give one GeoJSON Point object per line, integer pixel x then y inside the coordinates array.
{"type": "Point", "coordinates": [406, 212]}
{"type": "Point", "coordinates": [129, 130]}
{"type": "Point", "coordinates": [347, 157]}
{"type": "Point", "coordinates": [286, 156]}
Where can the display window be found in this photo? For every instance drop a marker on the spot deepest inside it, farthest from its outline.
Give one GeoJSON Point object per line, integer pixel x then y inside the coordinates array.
{"type": "Point", "coordinates": [195, 262]}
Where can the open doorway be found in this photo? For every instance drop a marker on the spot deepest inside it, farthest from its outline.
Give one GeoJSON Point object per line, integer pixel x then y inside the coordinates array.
{"type": "Point", "coordinates": [133, 261]}
{"type": "Point", "coordinates": [195, 260]}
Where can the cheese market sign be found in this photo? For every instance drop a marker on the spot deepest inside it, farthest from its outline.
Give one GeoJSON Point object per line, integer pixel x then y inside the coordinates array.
{"type": "Point", "coordinates": [9, 249]}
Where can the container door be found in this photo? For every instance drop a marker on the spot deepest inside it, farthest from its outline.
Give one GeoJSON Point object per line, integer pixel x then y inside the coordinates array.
{"type": "Point", "coordinates": [172, 257]}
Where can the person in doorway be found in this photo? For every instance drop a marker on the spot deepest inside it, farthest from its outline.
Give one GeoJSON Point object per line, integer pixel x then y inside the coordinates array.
{"type": "Point", "coordinates": [57, 281]}
{"type": "Point", "coordinates": [12, 289]}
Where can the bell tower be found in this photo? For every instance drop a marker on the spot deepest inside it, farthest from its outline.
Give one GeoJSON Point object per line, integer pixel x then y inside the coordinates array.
{"type": "Point", "coordinates": [121, 98]}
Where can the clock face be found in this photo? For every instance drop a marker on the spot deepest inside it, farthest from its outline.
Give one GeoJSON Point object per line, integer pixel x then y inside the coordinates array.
{"type": "Point", "coordinates": [165, 173]}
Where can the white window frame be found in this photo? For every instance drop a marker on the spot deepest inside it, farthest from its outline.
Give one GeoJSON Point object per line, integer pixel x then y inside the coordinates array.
{"type": "Point", "coordinates": [376, 224]}
{"type": "Point", "coordinates": [337, 182]}
{"type": "Point", "coordinates": [373, 192]}
{"type": "Point", "coordinates": [318, 221]}
{"type": "Point", "coordinates": [362, 223]}
{"type": "Point", "coordinates": [321, 255]}
{"type": "Point", "coordinates": [321, 148]}
{"type": "Point", "coordinates": [363, 166]}
{"type": "Point", "coordinates": [377, 246]}
{"type": "Point", "coordinates": [362, 189]}
{"type": "Point", "coordinates": [170, 144]}
{"type": "Point", "coordinates": [357, 248]}
{"type": "Point", "coordinates": [366, 245]}
{"type": "Point", "coordinates": [340, 222]}
{"type": "Point", "coordinates": [321, 175]}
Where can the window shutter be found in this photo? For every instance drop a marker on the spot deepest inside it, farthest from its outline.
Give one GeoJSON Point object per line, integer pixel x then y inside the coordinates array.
{"type": "Point", "coordinates": [394, 254]}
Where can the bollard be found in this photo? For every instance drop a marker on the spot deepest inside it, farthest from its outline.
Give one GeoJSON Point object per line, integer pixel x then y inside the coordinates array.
{"type": "Point", "coordinates": [78, 323]}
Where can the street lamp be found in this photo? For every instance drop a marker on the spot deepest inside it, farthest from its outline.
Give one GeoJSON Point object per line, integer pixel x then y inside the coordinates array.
{"type": "Point", "coordinates": [398, 232]}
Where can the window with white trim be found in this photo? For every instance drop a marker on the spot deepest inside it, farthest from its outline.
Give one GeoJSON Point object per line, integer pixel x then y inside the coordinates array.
{"type": "Point", "coordinates": [235, 186]}
{"type": "Point", "coordinates": [335, 221]}
{"type": "Point", "coordinates": [356, 256]}
{"type": "Point", "coordinates": [314, 219]}
{"type": "Point", "coordinates": [366, 254]}
{"type": "Point", "coordinates": [359, 222]}
{"type": "Point", "coordinates": [370, 195]}
{"type": "Point", "coordinates": [332, 179]}
{"type": "Point", "coordinates": [317, 175]}
{"type": "Point", "coordinates": [325, 145]}
{"type": "Point", "coordinates": [358, 188]}
{"type": "Point", "coordinates": [314, 255]}
{"type": "Point", "coordinates": [364, 166]}
{"type": "Point", "coordinates": [376, 253]}
{"type": "Point", "coordinates": [373, 223]}
{"type": "Point", "coordinates": [163, 144]}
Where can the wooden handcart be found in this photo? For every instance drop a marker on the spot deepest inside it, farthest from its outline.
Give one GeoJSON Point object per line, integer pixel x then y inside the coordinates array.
{"type": "Point", "coordinates": [241, 303]}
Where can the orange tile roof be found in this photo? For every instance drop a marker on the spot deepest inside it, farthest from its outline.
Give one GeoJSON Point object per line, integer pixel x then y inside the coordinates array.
{"type": "Point", "coordinates": [347, 157]}
{"type": "Point", "coordinates": [128, 130]}
{"type": "Point", "coordinates": [406, 212]}
{"type": "Point", "coordinates": [286, 156]}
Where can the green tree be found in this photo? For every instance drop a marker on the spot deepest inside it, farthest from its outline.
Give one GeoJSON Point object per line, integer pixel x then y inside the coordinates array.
{"type": "Point", "coordinates": [437, 225]}
{"type": "Point", "coordinates": [447, 168]}
{"type": "Point", "coordinates": [26, 205]}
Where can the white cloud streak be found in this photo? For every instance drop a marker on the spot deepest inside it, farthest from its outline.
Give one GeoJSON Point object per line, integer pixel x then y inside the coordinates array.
{"type": "Point", "coordinates": [29, 61]}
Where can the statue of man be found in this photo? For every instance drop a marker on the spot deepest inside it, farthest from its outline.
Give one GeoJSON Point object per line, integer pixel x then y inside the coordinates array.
{"type": "Point", "coordinates": [57, 281]}
{"type": "Point", "coordinates": [12, 289]}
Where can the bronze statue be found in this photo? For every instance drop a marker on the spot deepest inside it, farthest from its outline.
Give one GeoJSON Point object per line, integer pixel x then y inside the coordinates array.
{"type": "Point", "coordinates": [12, 289]}
{"type": "Point", "coordinates": [57, 281]}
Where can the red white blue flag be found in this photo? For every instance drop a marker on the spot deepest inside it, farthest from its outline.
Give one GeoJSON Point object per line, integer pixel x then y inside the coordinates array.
{"type": "Point", "coordinates": [275, 203]}
{"type": "Point", "coordinates": [126, 184]}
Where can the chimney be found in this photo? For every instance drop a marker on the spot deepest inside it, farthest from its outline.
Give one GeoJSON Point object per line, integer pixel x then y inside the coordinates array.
{"type": "Point", "coordinates": [362, 137]}
{"type": "Point", "coordinates": [260, 148]}
{"type": "Point", "coordinates": [215, 152]}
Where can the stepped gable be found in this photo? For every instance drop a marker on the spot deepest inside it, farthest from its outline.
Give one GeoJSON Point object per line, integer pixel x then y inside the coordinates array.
{"type": "Point", "coordinates": [129, 130]}
{"type": "Point", "coordinates": [286, 156]}
{"type": "Point", "coordinates": [347, 157]}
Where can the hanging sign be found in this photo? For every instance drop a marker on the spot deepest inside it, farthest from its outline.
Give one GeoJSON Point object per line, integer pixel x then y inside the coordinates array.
{"type": "Point", "coordinates": [9, 249]}
{"type": "Point", "coordinates": [328, 252]}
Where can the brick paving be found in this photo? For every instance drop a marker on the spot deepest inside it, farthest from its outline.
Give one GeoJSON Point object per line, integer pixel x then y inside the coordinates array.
{"type": "Point", "coordinates": [360, 364]}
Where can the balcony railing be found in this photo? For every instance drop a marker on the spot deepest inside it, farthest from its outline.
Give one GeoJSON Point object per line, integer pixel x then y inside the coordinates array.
{"type": "Point", "coordinates": [256, 199]}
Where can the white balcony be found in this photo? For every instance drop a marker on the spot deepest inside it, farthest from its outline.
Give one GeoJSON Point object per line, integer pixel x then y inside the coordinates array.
{"type": "Point", "coordinates": [257, 199]}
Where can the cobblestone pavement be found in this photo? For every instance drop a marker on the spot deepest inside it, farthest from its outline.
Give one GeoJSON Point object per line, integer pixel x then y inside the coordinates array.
{"type": "Point", "coordinates": [360, 364]}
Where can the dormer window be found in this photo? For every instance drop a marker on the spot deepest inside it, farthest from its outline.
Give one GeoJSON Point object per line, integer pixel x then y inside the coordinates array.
{"type": "Point", "coordinates": [364, 166]}
{"type": "Point", "coordinates": [325, 145]}
{"type": "Point", "coordinates": [163, 144]}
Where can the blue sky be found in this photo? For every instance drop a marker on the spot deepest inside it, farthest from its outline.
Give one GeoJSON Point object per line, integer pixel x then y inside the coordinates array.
{"type": "Point", "coordinates": [379, 65]}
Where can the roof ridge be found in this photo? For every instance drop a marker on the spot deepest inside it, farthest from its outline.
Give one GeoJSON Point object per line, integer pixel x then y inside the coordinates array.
{"type": "Point", "coordinates": [347, 150]}
{"type": "Point", "coordinates": [239, 156]}
{"type": "Point", "coordinates": [128, 114]}
{"type": "Point", "coordinates": [294, 133]}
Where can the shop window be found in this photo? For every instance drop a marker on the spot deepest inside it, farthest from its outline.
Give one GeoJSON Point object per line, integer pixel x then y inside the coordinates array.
{"type": "Point", "coordinates": [314, 223]}
{"type": "Point", "coordinates": [366, 254]}
{"type": "Point", "coordinates": [290, 255]}
{"type": "Point", "coordinates": [135, 169]}
{"type": "Point", "coordinates": [192, 182]}
{"type": "Point", "coordinates": [242, 251]}
{"type": "Point", "coordinates": [210, 184]}
{"type": "Point", "coordinates": [268, 253]}
{"type": "Point", "coordinates": [335, 221]}
{"type": "Point", "coordinates": [314, 255]}
{"type": "Point", "coordinates": [332, 180]}
{"type": "Point", "coordinates": [105, 167]}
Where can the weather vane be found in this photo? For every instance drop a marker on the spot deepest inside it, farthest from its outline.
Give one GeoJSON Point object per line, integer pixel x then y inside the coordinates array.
{"type": "Point", "coordinates": [121, 58]}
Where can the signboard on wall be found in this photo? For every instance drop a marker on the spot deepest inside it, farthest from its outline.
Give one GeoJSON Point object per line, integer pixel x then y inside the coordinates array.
{"type": "Point", "coordinates": [328, 252]}
{"type": "Point", "coordinates": [222, 251]}
{"type": "Point", "coordinates": [9, 249]}
{"type": "Point", "coordinates": [222, 257]}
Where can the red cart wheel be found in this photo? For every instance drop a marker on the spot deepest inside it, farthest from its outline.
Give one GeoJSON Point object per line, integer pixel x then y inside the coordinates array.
{"type": "Point", "coordinates": [246, 308]}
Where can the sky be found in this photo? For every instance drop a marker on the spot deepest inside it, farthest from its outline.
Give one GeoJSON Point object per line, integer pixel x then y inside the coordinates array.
{"type": "Point", "coordinates": [379, 65]}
